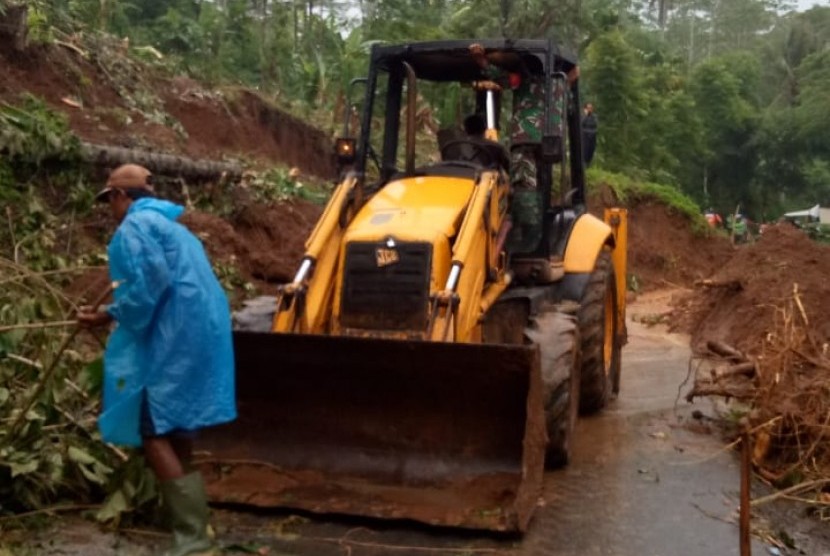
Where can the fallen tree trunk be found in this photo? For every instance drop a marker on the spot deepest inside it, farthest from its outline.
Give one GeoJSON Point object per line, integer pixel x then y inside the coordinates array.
{"type": "Point", "coordinates": [159, 163]}
{"type": "Point", "coordinates": [747, 370]}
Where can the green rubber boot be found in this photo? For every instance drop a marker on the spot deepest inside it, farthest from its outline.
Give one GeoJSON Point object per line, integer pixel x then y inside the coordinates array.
{"type": "Point", "coordinates": [187, 513]}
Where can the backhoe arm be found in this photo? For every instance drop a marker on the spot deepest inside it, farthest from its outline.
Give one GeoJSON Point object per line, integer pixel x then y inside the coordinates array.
{"type": "Point", "coordinates": [301, 305]}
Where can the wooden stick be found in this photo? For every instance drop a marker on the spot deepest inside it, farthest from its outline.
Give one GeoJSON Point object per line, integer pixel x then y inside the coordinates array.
{"type": "Point", "coordinates": [38, 325]}
{"type": "Point", "coordinates": [725, 350]}
{"type": "Point", "coordinates": [73, 48]}
{"type": "Point", "coordinates": [50, 370]}
{"type": "Point", "coordinates": [67, 508]}
{"type": "Point", "coordinates": [50, 273]}
{"type": "Point", "coordinates": [25, 361]}
{"type": "Point", "coordinates": [800, 305]}
{"type": "Point", "coordinates": [708, 283]}
{"type": "Point", "coordinates": [725, 391]}
{"type": "Point", "coordinates": [746, 471]}
{"type": "Point", "coordinates": [739, 369]}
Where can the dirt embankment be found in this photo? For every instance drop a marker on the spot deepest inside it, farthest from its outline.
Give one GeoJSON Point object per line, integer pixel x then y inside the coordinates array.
{"type": "Point", "coordinates": [262, 244]}
{"type": "Point", "coordinates": [663, 249]}
{"type": "Point", "coordinates": [740, 290]}
{"type": "Point", "coordinates": [265, 243]}
{"type": "Point", "coordinates": [740, 305]}
{"type": "Point", "coordinates": [109, 98]}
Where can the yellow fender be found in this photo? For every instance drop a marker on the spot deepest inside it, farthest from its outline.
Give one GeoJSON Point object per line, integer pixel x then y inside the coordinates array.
{"type": "Point", "coordinates": [587, 238]}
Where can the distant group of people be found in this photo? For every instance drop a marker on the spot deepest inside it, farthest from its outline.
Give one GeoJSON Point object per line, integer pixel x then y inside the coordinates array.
{"type": "Point", "coordinates": [737, 224]}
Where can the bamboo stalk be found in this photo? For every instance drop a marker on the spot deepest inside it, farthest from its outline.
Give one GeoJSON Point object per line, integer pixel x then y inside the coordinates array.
{"type": "Point", "coordinates": [724, 350]}
{"type": "Point", "coordinates": [746, 472]}
{"type": "Point", "coordinates": [50, 273]}
{"type": "Point", "coordinates": [740, 369]}
{"type": "Point", "coordinates": [23, 360]}
{"type": "Point", "coordinates": [37, 325]}
{"type": "Point", "coordinates": [50, 370]}
{"type": "Point", "coordinates": [801, 487]}
{"type": "Point", "coordinates": [66, 508]}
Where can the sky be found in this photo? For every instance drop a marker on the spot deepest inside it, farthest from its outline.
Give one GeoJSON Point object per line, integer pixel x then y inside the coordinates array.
{"type": "Point", "coordinates": [802, 5]}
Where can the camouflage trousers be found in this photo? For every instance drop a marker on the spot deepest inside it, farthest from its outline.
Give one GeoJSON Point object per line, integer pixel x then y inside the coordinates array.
{"type": "Point", "coordinates": [526, 205]}
{"type": "Point", "coordinates": [523, 167]}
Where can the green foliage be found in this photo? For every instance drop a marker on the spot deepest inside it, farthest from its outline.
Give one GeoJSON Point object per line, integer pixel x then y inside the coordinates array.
{"type": "Point", "coordinates": [54, 451]}
{"type": "Point", "coordinates": [277, 185]}
{"type": "Point", "coordinates": [31, 133]}
{"type": "Point", "coordinates": [131, 489]}
{"type": "Point", "coordinates": [615, 77]}
{"type": "Point", "coordinates": [723, 99]}
{"type": "Point", "coordinates": [236, 287]}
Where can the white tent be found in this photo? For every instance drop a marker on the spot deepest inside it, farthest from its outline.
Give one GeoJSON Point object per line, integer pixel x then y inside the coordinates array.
{"type": "Point", "coordinates": [817, 213]}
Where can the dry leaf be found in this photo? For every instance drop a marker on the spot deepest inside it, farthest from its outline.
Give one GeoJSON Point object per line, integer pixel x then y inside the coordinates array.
{"type": "Point", "coordinates": [69, 101]}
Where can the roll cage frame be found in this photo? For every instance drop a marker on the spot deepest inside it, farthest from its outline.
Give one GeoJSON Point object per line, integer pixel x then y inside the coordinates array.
{"type": "Point", "coordinates": [450, 61]}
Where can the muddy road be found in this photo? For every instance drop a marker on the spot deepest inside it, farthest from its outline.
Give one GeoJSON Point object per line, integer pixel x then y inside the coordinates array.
{"type": "Point", "coordinates": [647, 480]}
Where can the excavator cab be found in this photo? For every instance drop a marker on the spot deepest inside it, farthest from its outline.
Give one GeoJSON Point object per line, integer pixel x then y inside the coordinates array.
{"type": "Point", "coordinates": [416, 367]}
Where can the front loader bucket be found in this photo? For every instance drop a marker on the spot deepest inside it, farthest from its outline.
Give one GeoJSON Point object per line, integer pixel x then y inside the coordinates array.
{"type": "Point", "coordinates": [446, 434]}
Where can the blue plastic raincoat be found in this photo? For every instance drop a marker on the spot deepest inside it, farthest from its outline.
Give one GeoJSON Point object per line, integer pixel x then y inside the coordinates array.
{"type": "Point", "coordinates": [172, 342]}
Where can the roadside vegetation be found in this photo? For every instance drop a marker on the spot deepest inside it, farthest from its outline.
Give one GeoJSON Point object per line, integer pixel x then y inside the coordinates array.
{"type": "Point", "coordinates": [628, 190]}
{"type": "Point", "coordinates": [52, 256]}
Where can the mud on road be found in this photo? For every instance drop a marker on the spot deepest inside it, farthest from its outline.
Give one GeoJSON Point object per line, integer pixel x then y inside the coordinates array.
{"type": "Point", "coordinates": [647, 479]}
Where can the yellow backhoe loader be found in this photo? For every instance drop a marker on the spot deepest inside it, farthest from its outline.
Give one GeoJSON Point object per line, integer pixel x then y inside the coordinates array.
{"type": "Point", "coordinates": [419, 366]}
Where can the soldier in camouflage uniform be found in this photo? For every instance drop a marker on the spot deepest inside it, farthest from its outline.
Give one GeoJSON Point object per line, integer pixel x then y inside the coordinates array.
{"type": "Point", "coordinates": [525, 131]}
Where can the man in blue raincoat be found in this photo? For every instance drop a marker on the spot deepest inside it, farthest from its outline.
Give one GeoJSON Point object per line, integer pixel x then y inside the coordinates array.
{"type": "Point", "coordinates": [168, 366]}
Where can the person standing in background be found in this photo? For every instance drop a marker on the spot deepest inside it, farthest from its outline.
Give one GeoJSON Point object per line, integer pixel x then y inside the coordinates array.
{"type": "Point", "coordinates": [589, 133]}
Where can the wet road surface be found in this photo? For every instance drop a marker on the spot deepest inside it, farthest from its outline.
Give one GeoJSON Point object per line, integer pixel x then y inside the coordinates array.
{"type": "Point", "coordinates": [646, 480]}
{"type": "Point", "coordinates": [642, 482]}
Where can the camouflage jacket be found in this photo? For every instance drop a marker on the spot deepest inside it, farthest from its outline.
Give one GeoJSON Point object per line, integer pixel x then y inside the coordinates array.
{"type": "Point", "coordinates": [528, 105]}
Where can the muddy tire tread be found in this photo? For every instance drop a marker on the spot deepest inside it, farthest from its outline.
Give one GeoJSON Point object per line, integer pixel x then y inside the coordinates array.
{"type": "Point", "coordinates": [595, 386]}
{"type": "Point", "coordinates": [558, 335]}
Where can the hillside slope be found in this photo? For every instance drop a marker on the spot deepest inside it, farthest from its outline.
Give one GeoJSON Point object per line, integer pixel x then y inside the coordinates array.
{"type": "Point", "coordinates": [112, 98]}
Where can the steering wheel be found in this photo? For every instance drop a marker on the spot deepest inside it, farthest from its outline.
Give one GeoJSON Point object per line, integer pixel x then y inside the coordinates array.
{"type": "Point", "coordinates": [462, 164]}
{"type": "Point", "coordinates": [479, 155]}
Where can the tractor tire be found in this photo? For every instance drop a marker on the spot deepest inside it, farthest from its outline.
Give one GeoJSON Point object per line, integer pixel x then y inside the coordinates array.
{"type": "Point", "coordinates": [600, 349]}
{"type": "Point", "coordinates": [557, 336]}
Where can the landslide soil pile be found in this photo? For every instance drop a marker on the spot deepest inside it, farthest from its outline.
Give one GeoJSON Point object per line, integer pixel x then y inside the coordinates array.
{"type": "Point", "coordinates": [740, 304]}
{"type": "Point", "coordinates": [770, 302]}
{"type": "Point", "coordinates": [259, 244]}
{"type": "Point", "coordinates": [111, 98]}
{"type": "Point", "coordinates": [265, 243]}
{"type": "Point", "coordinates": [665, 248]}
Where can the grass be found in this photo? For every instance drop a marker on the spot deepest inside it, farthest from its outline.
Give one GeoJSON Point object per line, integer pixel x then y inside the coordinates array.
{"type": "Point", "coordinates": [629, 190]}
